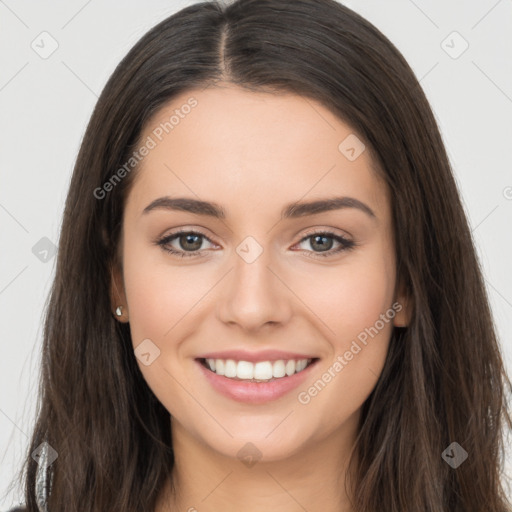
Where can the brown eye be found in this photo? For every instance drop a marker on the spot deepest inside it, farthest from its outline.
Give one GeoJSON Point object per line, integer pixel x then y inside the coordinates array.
{"type": "Point", "coordinates": [322, 243]}
{"type": "Point", "coordinates": [189, 243]}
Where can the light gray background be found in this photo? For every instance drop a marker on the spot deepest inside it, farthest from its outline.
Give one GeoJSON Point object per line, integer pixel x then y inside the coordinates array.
{"type": "Point", "coordinates": [46, 103]}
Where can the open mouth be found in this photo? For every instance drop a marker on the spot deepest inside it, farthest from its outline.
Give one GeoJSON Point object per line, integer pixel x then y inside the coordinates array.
{"type": "Point", "coordinates": [262, 371]}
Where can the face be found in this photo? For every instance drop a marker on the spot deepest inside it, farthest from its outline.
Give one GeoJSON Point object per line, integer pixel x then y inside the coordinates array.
{"type": "Point", "coordinates": [257, 283]}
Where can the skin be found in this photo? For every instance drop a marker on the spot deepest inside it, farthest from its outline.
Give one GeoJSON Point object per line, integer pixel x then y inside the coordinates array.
{"type": "Point", "coordinates": [253, 153]}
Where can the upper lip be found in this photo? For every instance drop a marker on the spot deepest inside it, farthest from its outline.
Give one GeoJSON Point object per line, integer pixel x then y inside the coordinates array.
{"type": "Point", "coordinates": [254, 357]}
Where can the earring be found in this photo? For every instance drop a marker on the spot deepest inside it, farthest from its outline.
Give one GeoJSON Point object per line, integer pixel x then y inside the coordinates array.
{"type": "Point", "coordinates": [119, 311]}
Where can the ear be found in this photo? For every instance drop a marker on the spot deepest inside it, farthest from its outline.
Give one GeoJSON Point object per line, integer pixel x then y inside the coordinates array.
{"type": "Point", "coordinates": [404, 306]}
{"type": "Point", "coordinates": [117, 294]}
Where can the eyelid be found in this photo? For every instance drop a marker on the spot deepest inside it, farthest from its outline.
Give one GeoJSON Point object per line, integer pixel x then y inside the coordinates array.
{"type": "Point", "coordinates": [162, 240]}
{"type": "Point", "coordinates": [334, 231]}
{"type": "Point", "coordinates": [183, 230]}
{"type": "Point", "coordinates": [345, 243]}
{"type": "Point", "coordinates": [308, 232]}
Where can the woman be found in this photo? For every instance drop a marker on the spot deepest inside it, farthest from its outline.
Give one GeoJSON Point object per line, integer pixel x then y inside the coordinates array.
{"type": "Point", "coordinates": [267, 295]}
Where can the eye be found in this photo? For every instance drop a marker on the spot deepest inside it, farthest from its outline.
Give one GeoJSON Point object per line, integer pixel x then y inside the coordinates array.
{"type": "Point", "coordinates": [320, 240]}
{"type": "Point", "coordinates": [190, 242]}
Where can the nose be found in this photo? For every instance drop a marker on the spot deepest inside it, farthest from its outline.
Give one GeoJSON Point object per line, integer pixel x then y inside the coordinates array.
{"type": "Point", "coordinates": [254, 295]}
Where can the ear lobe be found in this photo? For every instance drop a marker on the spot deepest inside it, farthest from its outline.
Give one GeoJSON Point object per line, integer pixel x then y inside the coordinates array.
{"type": "Point", "coordinates": [404, 307]}
{"type": "Point", "coordinates": [117, 293]}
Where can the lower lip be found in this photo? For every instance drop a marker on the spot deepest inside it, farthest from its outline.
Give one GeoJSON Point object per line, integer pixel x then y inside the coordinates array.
{"type": "Point", "coordinates": [255, 392]}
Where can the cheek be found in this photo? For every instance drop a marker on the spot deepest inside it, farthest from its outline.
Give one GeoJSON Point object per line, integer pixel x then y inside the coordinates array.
{"type": "Point", "coordinates": [352, 296]}
{"type": "Point", "coordinates": [160, 295]}
{"type": "Point", "coordinates": [344, 303]}
{"type": "Point", "coordinates": [362, 297]}
{"type": "Point", "coordinates": [360, 314]}
{"type": "Point", "coordinates": [161, 299]}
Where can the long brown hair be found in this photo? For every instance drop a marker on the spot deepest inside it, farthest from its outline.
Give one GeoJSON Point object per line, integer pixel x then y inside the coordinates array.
{"type": "Point", "coordinates": [444, 379]}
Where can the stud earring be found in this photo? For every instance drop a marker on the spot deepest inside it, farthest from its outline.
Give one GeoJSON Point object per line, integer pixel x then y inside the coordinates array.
{"type": "Point", "coordinates": [119, 311]}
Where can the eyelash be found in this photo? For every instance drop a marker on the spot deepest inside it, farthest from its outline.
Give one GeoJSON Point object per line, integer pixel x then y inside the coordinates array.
{"type": "Point", "coordinates": [346, 244]}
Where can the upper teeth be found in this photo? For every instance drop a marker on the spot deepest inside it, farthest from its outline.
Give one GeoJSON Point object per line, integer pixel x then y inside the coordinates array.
{"type": "Point", "coordinates": [263, 370]}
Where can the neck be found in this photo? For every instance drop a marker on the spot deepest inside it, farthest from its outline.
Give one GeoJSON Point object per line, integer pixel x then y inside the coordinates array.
{"type": "Point", "coordinates": [310, 479]}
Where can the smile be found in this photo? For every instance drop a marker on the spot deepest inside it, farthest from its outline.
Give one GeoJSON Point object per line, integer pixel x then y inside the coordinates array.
{"type": "Point", "coordinates": [262, 371]}
{"type": "Point", "coordinates": [255, 382]}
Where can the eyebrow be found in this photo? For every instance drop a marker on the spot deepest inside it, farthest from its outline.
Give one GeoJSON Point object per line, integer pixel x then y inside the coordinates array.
{"type": "Point", "coordinates": [290, 211]}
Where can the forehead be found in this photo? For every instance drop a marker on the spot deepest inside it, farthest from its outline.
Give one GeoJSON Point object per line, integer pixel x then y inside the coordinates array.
{"type": "Point", "coordinates": [223, 143]}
